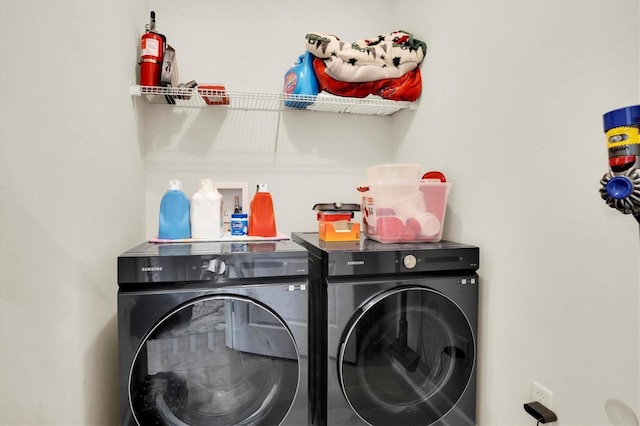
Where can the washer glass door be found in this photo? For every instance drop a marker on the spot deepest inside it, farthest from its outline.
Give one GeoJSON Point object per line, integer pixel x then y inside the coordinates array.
{"type": "Point", "coordinates": [406, 357]}
{"type": "Point", "coordinates": [217, 360]}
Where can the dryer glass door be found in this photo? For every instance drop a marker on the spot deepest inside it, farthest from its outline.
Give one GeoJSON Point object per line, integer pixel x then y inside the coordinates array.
{"type": "Point", "coordinates": [406, 357]}
{"type": "Point", "coordinates": [217, 360]}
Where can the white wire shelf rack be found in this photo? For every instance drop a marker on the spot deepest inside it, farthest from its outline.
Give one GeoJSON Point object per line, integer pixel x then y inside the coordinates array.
{"type": "Point", "coordinates": [259, 101]}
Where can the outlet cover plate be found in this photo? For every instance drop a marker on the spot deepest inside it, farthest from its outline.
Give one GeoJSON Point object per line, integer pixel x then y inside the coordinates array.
{"type": "Point", "coordinates": [230, 190]}
{"type": "Point", "coordinates": [541, 394]}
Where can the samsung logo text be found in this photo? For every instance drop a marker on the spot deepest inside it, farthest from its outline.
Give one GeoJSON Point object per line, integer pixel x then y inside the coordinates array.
{"type": "Point", "coordinates": [151, 268]}
{"type": "Point", "coordinates": [355, 262]}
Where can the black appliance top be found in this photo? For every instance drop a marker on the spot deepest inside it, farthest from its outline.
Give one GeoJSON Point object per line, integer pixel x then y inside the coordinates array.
{"type": "Point", "coordinates": [206, 261]}
{"type": "Point", "coordinates": [367, 257]}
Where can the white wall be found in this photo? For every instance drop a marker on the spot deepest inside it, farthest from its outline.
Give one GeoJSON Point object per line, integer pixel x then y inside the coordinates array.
{"type": "Point", "coordinates": [511, 112]}
{"type": "Point", "coordinates": [72, 189]}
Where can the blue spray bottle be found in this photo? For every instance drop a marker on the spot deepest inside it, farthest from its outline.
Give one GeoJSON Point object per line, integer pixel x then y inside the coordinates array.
{"type": "Point", "coordinates": [301, 80]}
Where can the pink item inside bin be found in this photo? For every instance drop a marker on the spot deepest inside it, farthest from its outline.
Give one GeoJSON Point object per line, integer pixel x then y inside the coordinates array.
{"type": "Point", "coordinates": [411, 230]}
{"type": "Point", "coordinates": [390, 227]}
{"type": "Point", "coordinates": [436, 198]}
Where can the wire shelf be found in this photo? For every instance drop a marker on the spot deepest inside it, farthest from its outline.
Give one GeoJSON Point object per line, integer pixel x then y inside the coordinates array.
{"type": "Point", "coordinates": [259, 101]}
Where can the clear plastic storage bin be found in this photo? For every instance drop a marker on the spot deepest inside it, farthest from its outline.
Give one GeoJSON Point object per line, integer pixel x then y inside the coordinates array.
{"type": "Point", "coordinates": [405, 211]}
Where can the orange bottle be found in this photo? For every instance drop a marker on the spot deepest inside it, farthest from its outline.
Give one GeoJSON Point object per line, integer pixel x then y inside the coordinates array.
{"type": "Point", "coordinates": [262, 220]}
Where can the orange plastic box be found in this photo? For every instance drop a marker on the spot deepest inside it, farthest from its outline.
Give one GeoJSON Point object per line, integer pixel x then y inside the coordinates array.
{"type": "Point", "coordinates": [395, 212]}
{"type": "Point", "coordinates": [337, 227]}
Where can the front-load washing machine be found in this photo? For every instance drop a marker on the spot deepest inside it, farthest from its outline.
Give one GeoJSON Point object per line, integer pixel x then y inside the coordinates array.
{"type": "Point", "coordinates": [213, 334]}
{"type": "Point", "coordinates": [393, 332]}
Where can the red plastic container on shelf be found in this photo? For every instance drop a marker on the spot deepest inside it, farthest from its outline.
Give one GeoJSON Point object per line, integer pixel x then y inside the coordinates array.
{"type": "Point", "coordinates": [213, 94]}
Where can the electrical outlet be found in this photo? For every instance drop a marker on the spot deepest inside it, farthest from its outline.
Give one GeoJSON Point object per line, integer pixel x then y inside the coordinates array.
{"type": "Point", "coordinates": [541, 394]}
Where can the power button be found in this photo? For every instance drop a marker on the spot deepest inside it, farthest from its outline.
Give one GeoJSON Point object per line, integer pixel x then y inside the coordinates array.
{"type": "Point", "coordinates": [410, 261]}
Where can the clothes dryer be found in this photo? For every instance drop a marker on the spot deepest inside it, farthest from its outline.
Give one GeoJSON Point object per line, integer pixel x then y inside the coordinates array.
{"type": "Point", "coordinates": [394, 332]}
{"type": "Point", "coordinates": [213, 334]}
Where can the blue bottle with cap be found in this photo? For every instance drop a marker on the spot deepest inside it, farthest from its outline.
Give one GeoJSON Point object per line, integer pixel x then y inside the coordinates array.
{"type": "Point", "coordinates": [174, 221]}
{"type": "Point", "coordinates": [301, 80]}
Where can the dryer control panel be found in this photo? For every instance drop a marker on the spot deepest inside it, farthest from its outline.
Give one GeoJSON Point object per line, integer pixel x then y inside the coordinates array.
{"type": "Point", "coordinates": [404, 261]}
{"type": "Point", "coordinates": [368, 257]}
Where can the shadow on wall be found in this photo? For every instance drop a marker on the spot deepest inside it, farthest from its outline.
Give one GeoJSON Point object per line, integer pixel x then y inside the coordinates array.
{"type": "Point", "coordinates": [189, 129]}
{"type": "Point", "coordinates": [339, 140]}
{"type": "Point", "coordinates": [101, 403]}
{"type": "Point", "coordinates": [290, 141]}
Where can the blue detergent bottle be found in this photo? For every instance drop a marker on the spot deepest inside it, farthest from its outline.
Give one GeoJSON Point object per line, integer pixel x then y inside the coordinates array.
{"type": "Point", "coordinates": [301, 80]}
{"type": "Point", "coordinates": [174, 213]}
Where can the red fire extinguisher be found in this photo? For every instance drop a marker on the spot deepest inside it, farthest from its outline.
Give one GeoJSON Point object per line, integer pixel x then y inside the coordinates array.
{"type": "Point", "coordinates": [152, 46]}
